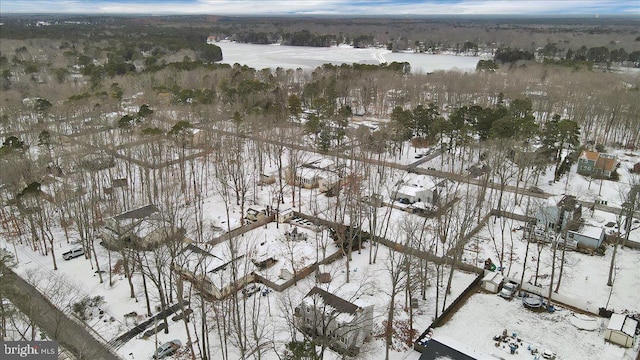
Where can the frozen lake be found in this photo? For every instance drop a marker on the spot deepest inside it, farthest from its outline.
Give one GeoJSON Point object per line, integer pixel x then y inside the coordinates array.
{"type": "Point", "coordinates": [308, 58]}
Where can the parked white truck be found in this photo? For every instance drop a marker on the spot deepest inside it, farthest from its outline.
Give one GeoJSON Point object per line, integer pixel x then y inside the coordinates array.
{"type": "Point", "coordinates": [508, 290]}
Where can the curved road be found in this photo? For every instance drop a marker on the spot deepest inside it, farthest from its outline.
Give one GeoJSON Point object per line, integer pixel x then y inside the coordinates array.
{"type": "Point", "coordinates": [68, 333]}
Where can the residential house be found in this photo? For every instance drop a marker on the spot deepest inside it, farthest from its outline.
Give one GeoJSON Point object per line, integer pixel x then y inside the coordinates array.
{"type": "Point", "coordinates": [564, 215]}
{"type": "Point", "coordinates": [216, 272]}
{"type": "Point", "coordinates": [587, 236]}
{"type": "Point", "coordinates": [621, 330]}
{"type": "Point", "coordinates": [141, 228]}
{"type": "Point", "coordinates": [302, 176]}
{"type": "Point", "coordinates": [593, 163]}
{"type": "Point", "coordinates": [587, 162]}
{"type": "Point", "coordinates": [636, 168]}
{"type": "Point", "coordinates": [420, 189]}
{"type": "Point", "coordinates": [343, 325]}
{"type": "Point", "coordinates": [440, 347]}
{"type": "Point", "coordinates": [321, 173]}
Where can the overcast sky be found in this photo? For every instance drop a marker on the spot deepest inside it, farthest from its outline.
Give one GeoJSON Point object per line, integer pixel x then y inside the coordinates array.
{"type": "Point", "coordinates": [328, 7]}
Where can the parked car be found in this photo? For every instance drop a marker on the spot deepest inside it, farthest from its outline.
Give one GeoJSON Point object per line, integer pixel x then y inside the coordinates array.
{"type": "Point", "coordinates": [544, 235]}
{"type": "Point", "coordinates": [548, 354]}
{"type": "Point", "coordinates": [73, 253]}
{"type": "Point", "coordinates": [167, 349]}
{"type": "Point", "coordinates": [532, 301]}
{"type": "Point", "coordinates": [508, 290]}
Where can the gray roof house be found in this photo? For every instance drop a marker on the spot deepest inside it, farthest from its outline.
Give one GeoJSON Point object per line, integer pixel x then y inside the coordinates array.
{"type": "Point", "coordinates": [141, 228]}
{"type": "Point", "coordinates": [563, 215]}
{"type": "Point", "coordinates": [343, 325]}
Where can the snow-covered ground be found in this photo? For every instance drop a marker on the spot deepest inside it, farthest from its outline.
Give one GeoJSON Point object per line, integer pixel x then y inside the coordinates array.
{"type": "Point", "coordinates": [584, 277]}
{"type": "Point", "coordinates": [581, 271]}
{"type": "Point", "coordinates": [369, 283]}
{"type": "Point", "coordinates": [308, 58]}
{"type": "Point", "coordinates": [486, 315]}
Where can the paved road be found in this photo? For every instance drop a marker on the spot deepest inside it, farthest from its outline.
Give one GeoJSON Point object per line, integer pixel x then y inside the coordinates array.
{"type": "Point", "coordinates": [69, 334]}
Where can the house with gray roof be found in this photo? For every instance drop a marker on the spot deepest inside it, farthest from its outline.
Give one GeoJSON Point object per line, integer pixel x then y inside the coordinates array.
{"type": "Point", "coordinates": [343, 325]}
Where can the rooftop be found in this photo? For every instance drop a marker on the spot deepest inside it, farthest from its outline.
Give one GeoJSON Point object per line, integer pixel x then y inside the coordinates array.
{"type": "Point", "coordinates": [410, 189]}
{"type": "Point", "coordinates": [606, 162]}
{"type": "Point", "coordinates": [589, 155]}
{"type": "Point", "coordinates": [139, 213]}
{"type": "Point", "coordinates": [338, 303]}
{"type": "Point", "coordinates": [624, 323]}
{"type": "Point", "coordinates": [590, 231]}
{"type": "Point", "coordinates": [444, 347]}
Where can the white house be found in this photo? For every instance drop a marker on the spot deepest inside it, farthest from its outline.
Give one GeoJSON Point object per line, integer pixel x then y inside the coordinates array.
{"type": "Point", "coordinates": [559, 216]}
{"type": "Point", "coordinates": [343, 324]}
{"type": "Point", "coordinates": [302, 176]}
{"type": "Point", "coordinates": [421, 189]}
{"type": "Point", "coordinates": [320, 174]}
{"type": "Point", "coordinates": [621, 330]}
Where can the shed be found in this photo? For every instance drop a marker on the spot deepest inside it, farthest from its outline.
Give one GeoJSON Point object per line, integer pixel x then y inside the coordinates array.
{"type": "Point", "coordinates": [285, 274]}
{"type": "Point", "coordinates": [327, 180]}
{"type": "Point", "coordinates": [587, 237]}
{"type": "Point", "coordinates": [256, 213]}
{"type": "Point", "coordinates": [412, 193]}
{"type": "Point", "coordinates": [285, 215]}
{"type": "Point", "coordinates": [266, 179]}
{"type": "Point", "coordinates": [492, 281]}
{"type": "Point", "coordinates": [621, 330]}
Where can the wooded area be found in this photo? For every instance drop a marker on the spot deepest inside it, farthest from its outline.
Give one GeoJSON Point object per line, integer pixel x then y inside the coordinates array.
{"type": "Point", "coordinates": [101, 115]}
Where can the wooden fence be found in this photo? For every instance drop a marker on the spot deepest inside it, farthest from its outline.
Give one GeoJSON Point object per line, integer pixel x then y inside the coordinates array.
{"type": "Point", "coordinates": [300, 274]}
{"type": "Point", "coordinates": [241, 230]}
{"type": "Point", "coordinates": [418, 345]}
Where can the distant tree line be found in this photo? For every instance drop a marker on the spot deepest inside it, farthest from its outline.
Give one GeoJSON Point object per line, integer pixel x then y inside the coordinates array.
{"type": "Point", "coordinates": [550, 53]}
{"type": "Point", "coordinates": [509, 55]}
{"type": "Point", "coordinates": [302, 38]}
